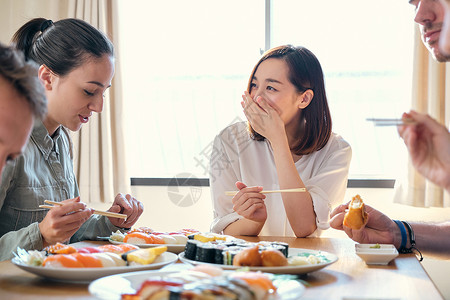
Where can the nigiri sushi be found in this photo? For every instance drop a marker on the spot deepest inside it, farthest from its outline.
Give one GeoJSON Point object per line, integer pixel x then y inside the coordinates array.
{"type": "Point", "coordinates": [111, 248]}
{"type": "Point", "coordinates": [127, 247]}
{"type": "Point", "coordinates": [259, 283]}
{"type": "Point", "coordinates": [59, 248]}
{"type": "Point", "coordinates": [138, 238]}
{"type": "Point", "coordinates": [89, 250]}
{"type": "Point", "coordinates": [84, 260]}
{"type": "Point", "coordinates": [180, 238]}
{"type": "Point", "coordinates": [88, 260]}
{"type": "Point", "coordinates": [168, 239]}
{"type": "Point", "coordinates": [110, 259]}
{"type": "Point", "coordinates": [62, 261]}
{"type": "Point", "coordinates": [118, 249]}
{"type": "Point", "coordinates": [157, 239]}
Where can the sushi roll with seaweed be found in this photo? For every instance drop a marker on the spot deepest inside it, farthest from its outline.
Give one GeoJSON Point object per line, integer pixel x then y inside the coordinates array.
{"type": "Point", "coordinates": [191, 249]}
{"type": "Point", "coordinates": [205, 252]}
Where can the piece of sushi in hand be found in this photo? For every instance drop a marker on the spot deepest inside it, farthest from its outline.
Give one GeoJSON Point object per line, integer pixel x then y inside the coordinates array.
{"type": "Point", "coordinates": [356, 217]}
{"type": "Point", "coordinates": [138, 238]}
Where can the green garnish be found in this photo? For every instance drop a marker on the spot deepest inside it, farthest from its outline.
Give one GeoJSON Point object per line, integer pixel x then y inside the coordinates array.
{"type": "Point", "coordinates": [376, 246]}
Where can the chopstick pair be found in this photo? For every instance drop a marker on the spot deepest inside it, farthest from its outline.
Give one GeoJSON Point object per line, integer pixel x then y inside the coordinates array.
{"type": "Point", "coordinates": [297, 190]}
{"type": "Point", "coordinates": [97, 212]}
{"type": "Point", "coordinates": [391, 122]}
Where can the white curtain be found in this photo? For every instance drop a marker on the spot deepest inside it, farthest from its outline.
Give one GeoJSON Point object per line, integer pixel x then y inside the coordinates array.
{"type": "Point", "coordinates": [99, 150]}
{"type": "Point", "coordinates": [430, 96]}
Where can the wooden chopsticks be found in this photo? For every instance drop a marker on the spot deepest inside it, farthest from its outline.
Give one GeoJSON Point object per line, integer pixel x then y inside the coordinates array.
{"type": "Point", "coordinates": [97, 212]}
{"type": "Point", "coordinates": [297, 190]}
{"type": "Point", "coordinates": [391, 122]}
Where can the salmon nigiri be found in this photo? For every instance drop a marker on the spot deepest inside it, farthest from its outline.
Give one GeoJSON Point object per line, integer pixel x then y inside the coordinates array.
{"type": "Point", "coordinates": [127, 247]}
{"type": "Point", "coordinates": [59, 248]}
{"type": "Point", "coordinates": [110, 248]}
{"type": "Point", "coordinates": [88, 260]}
{"type": "Point", "coordinates": [62, 261]}
{"type": "Point", "coordinates": [138, 238]}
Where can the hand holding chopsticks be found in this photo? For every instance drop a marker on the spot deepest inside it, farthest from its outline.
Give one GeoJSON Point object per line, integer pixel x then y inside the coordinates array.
{"type": "Point", "coordinates": [97, 212]}
{"type": "Point", "coordinates": [296, 190]}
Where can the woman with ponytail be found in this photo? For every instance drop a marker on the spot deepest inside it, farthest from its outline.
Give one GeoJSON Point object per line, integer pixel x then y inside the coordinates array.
{"type": "Point", "coordinates": [76, 66]}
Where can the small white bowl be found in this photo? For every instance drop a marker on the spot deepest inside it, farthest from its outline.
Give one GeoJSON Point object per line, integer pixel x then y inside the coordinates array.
{"type": "Point", "coordinates": [376, 254]}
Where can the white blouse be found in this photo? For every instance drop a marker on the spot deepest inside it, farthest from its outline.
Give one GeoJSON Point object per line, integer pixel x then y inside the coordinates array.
{"type": "Point", "coordinates": [237, 157]}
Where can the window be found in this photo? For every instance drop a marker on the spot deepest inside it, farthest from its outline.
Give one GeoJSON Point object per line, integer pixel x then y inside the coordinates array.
{"type": "Point", "coordinates": [185, 64]}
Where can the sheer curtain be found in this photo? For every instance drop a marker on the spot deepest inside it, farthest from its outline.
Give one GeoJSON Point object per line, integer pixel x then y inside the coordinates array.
{"type": "Point", "coordinates": [431, 96]}
{"type": "Point", "coordinates": [99, 150]}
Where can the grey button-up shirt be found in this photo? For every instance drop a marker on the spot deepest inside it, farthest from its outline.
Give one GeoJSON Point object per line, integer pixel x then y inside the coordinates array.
{"type": "Point", "coordinates": [44, 171]}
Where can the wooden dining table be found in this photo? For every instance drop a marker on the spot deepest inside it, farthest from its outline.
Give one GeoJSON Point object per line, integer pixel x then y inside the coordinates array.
{"type": "Point", "coordinates": [348, 278]}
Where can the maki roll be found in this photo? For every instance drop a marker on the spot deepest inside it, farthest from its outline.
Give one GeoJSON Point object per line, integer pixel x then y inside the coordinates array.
{"type": "Point", "coordinates": [191, 249]}
{"type": "Point", "coordinates": [205, 252]}
{"type": "Point", "coordinates": [285, 247]}
{"type": "Point", "coordinates": [229, 253]}
{"type": "Point", "coordinates": [220, 247]}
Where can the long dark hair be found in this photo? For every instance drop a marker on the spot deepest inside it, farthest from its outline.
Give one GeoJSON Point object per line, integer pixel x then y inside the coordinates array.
{"type": "Point", "coordinates": [305, 73]}
{"type": "Point", "coordinates": [61, 46]}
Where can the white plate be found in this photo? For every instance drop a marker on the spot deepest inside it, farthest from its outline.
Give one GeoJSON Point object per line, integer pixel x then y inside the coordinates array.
{"type": "Point", "coordinates": [174, 248]}
{"type": "Point", "coordinates": [89, 274]}
{"type": "Point", "coordinates": [376, 256]}
{"type": "Point", "coordinates": [330, 258]}
{"type": "Point", "coordinates": [112, 287]}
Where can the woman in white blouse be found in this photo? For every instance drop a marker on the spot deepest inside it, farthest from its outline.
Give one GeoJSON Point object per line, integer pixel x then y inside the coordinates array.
{"type": "Point", "coordinates": [286, 143]}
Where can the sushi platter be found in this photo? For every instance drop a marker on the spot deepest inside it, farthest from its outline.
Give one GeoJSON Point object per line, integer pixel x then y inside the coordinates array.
{"type": "Point", "coordinates": [89, 274]}
{"type": "Point", "coordinates": [120, 286]}
{"type": "Point", "coordinates": [326, 259]}
{"type": "Point", "coordinates": [66, 263]}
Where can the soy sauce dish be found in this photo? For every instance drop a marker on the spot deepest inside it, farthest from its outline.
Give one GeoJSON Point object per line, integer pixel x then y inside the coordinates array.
{"type": "Point", "coordinates": [376, 254]}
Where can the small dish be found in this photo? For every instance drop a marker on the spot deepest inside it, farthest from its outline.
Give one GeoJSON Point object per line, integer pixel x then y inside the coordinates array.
{"type": "Point", "coordinates": [376, 254]}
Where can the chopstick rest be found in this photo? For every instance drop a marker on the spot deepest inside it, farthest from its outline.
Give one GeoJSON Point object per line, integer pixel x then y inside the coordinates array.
{"type": "Point", "coordinates": [297, 190]}
{"type": "Point", "coordinates": [97, 212]}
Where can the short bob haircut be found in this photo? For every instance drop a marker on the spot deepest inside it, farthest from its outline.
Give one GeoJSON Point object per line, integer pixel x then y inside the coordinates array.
{"type": "Point", "coordinates": [305, 73]}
